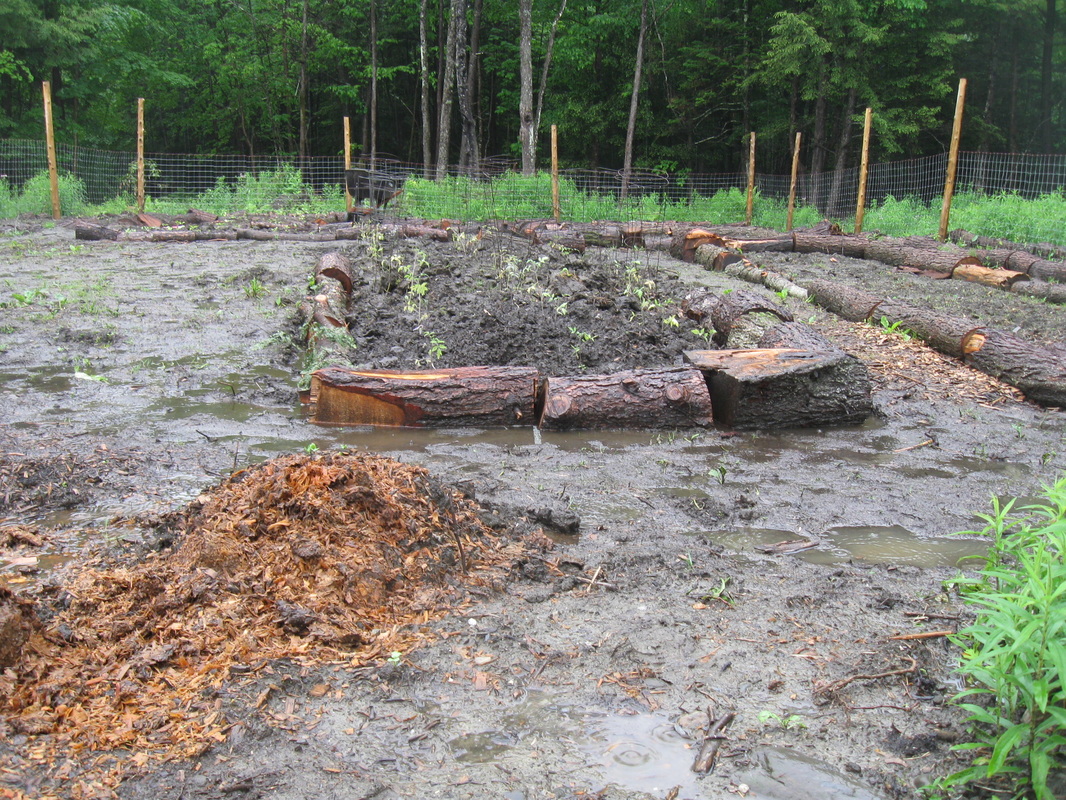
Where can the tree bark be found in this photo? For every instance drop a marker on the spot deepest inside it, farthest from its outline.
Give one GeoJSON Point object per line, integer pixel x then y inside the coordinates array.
{"type": "Point", "coordinates": [527, 143]}
{"type": "Point", "coordinates": [634, 101]}
{"type": "Point", "coordinates": [423, 64]}
{"type": "Point", "coordinates": [444, 123]}
{"type": "Point", "coordinates": [672, 397]}
{"type": "Point", "coordinates": [732, 307]}
{"type": "Point", "coordinates": [465, 396]}
{"type": "Point", "coordinates": [468, 147]}
{"type": "Point", "coordinates": [785, 388]}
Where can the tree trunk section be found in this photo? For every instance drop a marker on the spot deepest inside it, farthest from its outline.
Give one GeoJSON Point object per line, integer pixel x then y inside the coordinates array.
{"type": "Point", "coordinates": [464, 396]}
{"type": "Point", "coordinates": [671, 397]}
{"type": "Point", "coordinates": [1037, 371]}
{"type": "Point", "coordinates": [785, 388]}
{"type": "Point", "coordinates": [738, 305]}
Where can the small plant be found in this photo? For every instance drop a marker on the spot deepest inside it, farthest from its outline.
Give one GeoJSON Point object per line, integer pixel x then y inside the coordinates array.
{"type": "Point", "coordinates": [703, 333]}
{"type": "Point", "coordinates": [896, 328]}
{"type": "Point", "coordinates": [719, 473]}
{"type": "Point", "coordinates": [437, 347]}
{"type": "Point", "coordinates": [789, 722]}
{"type": "Point", "coordinates": [254, 288]}
{"type": "Point", "coordinates": [395, 658]}
{"type": "Point", "coordinates": [1014, 653]}
{"type": "Point", "coordinates": [311, 449]}
{"type": "Point", "coordinates": [719, 593]}
{"type": "Point", "coordinates": [672, 321]}
{"type": "Point", "coordinates": [782, 294]}
{"type": "Point", "coordinates": [584, 336]}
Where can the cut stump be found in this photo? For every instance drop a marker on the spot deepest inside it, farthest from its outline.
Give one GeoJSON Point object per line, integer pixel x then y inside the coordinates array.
{"type": "Point", "coordinates": [784, 387]}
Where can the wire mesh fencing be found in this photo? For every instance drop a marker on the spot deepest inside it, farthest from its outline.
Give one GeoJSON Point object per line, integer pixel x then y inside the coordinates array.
{"type": "Point", "coordinates": [1015, 196]}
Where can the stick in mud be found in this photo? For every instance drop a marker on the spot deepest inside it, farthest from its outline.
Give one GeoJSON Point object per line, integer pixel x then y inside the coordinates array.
{"type": "Point", "coordinates": [712, 742]}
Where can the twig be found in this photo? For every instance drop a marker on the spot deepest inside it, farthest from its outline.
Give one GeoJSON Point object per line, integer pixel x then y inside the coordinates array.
{"type": "Point", "coordinates": [922, 635]}
{"type": "Point", "coordinates": [834, 686]}
{"type": "Point", "coordinates": [915, 446]}
{"type": "Point", "coordinates": [712, 742]}
{"type": "Point", "coordinates": [925, 615]}
{"type": "Point", "coordinates": [592, 582]}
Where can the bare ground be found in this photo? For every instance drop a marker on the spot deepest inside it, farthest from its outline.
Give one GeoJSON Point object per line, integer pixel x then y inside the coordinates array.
{"type": "Point", "coordinates": [137, 375]}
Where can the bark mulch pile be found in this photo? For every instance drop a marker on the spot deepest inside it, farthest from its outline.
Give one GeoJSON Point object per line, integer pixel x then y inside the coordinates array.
{"type": "Point", "coordinates": [326, 558]}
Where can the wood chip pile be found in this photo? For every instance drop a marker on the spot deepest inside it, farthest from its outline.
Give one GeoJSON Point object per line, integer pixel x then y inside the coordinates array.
{"type": "Point", "coordinates": [337, 557]}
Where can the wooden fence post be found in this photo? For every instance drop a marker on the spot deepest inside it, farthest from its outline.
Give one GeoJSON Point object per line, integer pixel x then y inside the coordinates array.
{"type": "Point", "coordinates": [953, 161]}
{"type": "Point", "coordinates": [50, 144]}
{"type": "Point", "coordinates": [556, 210]}
{"type": "Point", "coordinates": [749, 212]}
{"type": "Point", "coordinates": [860, 205]}
{"type": "Point", "coordinates": [140, 154]}
{"type": "Point", "coordinates": [347, 162]}
{"type": "Point", "coordinates": [792, 184]}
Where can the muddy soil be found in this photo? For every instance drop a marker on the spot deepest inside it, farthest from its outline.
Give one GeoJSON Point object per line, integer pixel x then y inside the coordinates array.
{"type": "Point", "coordinates": [136, 375]}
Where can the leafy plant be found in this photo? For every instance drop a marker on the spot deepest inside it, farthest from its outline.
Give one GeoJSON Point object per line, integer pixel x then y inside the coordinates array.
{"type": "Point", "coordinates": [254, 288]}
{"type": "Point", "coordinates": [703, 333]}
{"type": "Point", "coordinates": [1014, 654]}
{"type": "Point", "coordinates": [767, 717]}
{"type": "Point", "coordinates": [896, 328]}
{"type": "Point", "coordinates": [437, 346]}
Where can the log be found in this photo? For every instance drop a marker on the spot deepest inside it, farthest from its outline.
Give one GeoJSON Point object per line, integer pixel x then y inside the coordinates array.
{"type": "Point", "coordinates": [463, 396]}
{"type": "Point", "coordinates": [737, 304]}
{"type": "Point", "coordinates": [1039, 371]}
{"type": "Point", "coordinates": [337, 267]}
{"type": "Point", "coordinates": [686, 241]}
{"type": "Point", "coordinates": [670, 397]}
{"type": "Point", "coordinates": [1044, 250]}
{"type": "Point", "coordinates": [785, 388]}
{"type": "Point", "coordinates": [829, 243]}
{"type": "Point", "coordinates": [94, 233]}
{"type": "Point", "coordinates": [1051, 292]}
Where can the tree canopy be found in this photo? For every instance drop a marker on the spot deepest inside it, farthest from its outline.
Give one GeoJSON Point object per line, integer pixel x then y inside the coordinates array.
{"type": "Point", "coordinates": [277, 76]}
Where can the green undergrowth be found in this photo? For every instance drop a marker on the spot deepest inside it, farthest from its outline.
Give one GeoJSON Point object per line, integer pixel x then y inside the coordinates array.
{"type": "Point", "coordinates": [1014, 654]}
{"type": "Point", "coordinates": [512, 196]}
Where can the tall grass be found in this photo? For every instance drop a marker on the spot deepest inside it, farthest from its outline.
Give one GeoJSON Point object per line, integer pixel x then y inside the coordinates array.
{"type": "Point", "coordinates": [36, 196]}
{"type": "Point", "coordinates": [1014, 654]}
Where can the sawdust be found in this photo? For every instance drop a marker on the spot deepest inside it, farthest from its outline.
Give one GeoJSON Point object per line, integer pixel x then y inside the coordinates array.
{"type": "Point", "coordinates": [330, 558]}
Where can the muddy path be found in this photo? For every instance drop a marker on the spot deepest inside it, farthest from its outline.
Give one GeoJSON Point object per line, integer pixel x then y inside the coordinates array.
{"type": "Point", "coordinates": [134, 376]}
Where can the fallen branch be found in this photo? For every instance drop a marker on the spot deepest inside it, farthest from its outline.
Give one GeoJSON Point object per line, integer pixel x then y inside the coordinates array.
{"type": "Point", "coordinates": [712, 742]}
{"type": "Point", "coordinates": [921, 635]}
{"type": "Point", "coordinates": [835, 686]}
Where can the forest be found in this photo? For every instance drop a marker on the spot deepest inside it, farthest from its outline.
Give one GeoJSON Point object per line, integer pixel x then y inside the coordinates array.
{"type": "Point", "coordinates": [673, 85]}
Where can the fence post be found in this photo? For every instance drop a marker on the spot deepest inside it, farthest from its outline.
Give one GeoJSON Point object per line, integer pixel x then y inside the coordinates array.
{"type": "Point", "coordinates": [347, 162]}
{"type": "Point", "coordinates": [749, 212]}
{"type": "Point", "coordinates": [140, 154]}
{"type": "Point", "coordinates": [50, 143]}
{"type": "Point", "coordinates": [792, 183]}
{"type": "Point", "coordinates": [953, 161]}
{"type": "Point", "coordinates": [556, 211]}
{"type": "Point", "coordinates": [860, 205]}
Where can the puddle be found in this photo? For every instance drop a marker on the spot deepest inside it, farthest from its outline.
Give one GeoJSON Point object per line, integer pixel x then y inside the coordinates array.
{"type": "Point", "coordinates": [782, 774]}
{"type": "Point", "coordinates": [890, 544]}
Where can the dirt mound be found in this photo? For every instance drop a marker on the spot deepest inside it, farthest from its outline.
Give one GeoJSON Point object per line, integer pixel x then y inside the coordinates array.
{"type": "Point", "coordinates": [325, 558]}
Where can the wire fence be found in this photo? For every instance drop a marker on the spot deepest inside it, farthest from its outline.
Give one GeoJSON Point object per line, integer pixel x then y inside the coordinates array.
{"type": "Point", "coordinates": [911, 189]}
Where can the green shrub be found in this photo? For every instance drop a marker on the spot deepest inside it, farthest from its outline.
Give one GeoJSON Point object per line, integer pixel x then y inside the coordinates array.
{"type": "Point", "coordinates": [1014, 654]}
{"type": "Point", "coordinates": [36, 196]}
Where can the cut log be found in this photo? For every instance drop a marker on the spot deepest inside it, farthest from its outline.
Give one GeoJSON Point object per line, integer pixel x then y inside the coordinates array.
{"type": "Point", "coordinates": [464, 396]}
{"type": "Point", "coordinates": [1051, 292]}
{"type": "Point", "coordinates": [1043, 250]}
{"type": "Point", "coordinates": [1039, 371]}
{"type": "Point", "coordinates": [829, 243]}
{"type": "Point", "coordinates": [336, 266]}
{"type": "Point", "coordinates": [795, 336]}
{"type": "Point", "coordinates": [672, 397]}
{"type": "Point", "coordinates": [737, 304]}
{"type": "Point", "coordinates": [94, 233]}
{"type": "Point", "coordinates": [686, 241]}
{"type": "Point", "coordinates": [785, 388]}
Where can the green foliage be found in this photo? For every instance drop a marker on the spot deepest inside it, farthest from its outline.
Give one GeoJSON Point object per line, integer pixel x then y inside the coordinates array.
{"type": "Point", "coordinates": [36, 196]}
{"type": "Point", "coordinates": [1014, 654]}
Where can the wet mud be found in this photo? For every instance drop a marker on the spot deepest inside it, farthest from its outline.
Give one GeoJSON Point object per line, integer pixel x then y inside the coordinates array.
{"type": "Point", "coordinates": [137, 376]}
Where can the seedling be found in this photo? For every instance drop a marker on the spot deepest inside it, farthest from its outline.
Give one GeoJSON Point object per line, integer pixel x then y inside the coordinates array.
{"type": "Point", "coordinates": [395, 658]}
{"type": "Point", "coordinates": [767, 717]}
{"type": "Point", "coordinates": [896, 327]}
{"type": "Point", "coordinates": [437, 347]}
{"type": "Point", "coordinates": [311, 449]}
{"type": "Point", "coordinates": [703, 333]}
{"type": "Point", "coordinates": [254, 289]}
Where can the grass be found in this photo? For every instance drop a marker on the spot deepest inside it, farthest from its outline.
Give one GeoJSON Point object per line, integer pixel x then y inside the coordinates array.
{"type": "Point", "coordinates": [1014, 654]}
{"type": "Point", "coordinates": [513, 196]}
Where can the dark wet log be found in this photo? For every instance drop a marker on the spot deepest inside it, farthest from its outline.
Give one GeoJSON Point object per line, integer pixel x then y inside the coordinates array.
{"type": "Point", "coordinates": [17, 624]}
{"type": "Point", "coordinates": [1051, 292]}
{"type": "Point", "coordinates": [197, 217]}
{"type": "Point", "coordinates": [737, 304]}
{"type": "Point", "coordinates": [1043, 250]}
{"type": "Point", "coordinates": [830, 244]}
{"type": "Point", "coordinates": [796, 336]}
{"type": "Point", "coordinates": [719, 260]}
{"type": "Point", "coordinates": [671, 397]}
{"type": "Point", "coordinates": [561, 234]}
{"type": "Point", "coordinates": [698, 304]}
{"type": "Point", "coordinates": [463, 396]}
{"type": "Point", "coordinates": [785, 388]}
{"type": "Point", "coordinates": [1048, 271]}
{"type": "Point", "coordinates": [1039, 372]}
{"type": "Point", "coordinates": [336, 266]}
{"type": "Point", "coordinates": [94, 233]}
{"type": "Point", "coordinates": [279, 236]}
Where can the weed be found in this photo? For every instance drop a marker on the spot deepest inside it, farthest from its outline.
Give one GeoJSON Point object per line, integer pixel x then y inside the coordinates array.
{"type": "Point", "coordinates": [782, 294]}
{"type": "Point", "coordinates": [562, 309]}
{"type": "Point", "coordinates": [703, 333]}
{"type": "Point", "coordinates": [896, 328]}
{"type": "Point", "coordinates": [584, 336]}
{"type": "Point", "coordinates": [437, 347]}
{"type": "Point", "coordinates": [255, 288]}
{"type": "Point", "coordinates": [311, 449]}
{"type": "Point", "coordinates": [789, 722]}
{"type": "Point", "coordinates": [719, 473]}
{"type": "Point", "coordinates": [672, 321]}
{"type": "Point", "coordinates": [395, 658]}
{"type": "Point", "coordinates": [1014, 653]}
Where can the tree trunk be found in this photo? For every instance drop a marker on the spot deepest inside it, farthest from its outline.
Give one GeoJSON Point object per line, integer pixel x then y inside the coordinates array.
{"type": "Point", "coordinates": [818, 143]}
{"type": "Point", "coordinates": [1047, 103]}
{"type": "Point", "coordinates": [444, 123]}
{"type": "Point", "coordinates": [526, 130]}
{"type": "Point", "coordinates": [842, 155]}
{"type": "Point", "coordinates": [785, 388]}
{"type": "Point", "coordinates": [465, 396]}
{"type": "Point", "coordinates": [545, 68]}
{"type": "Point", "coordinates": [468, 149]}
{"type": "Point", "coordinates": [736, 305]}
{"type": "Point", "coordinates": [423, 63]}
{"type": "Point", "coordinates": [634, 101]}
{"type": "Point", "coordinates": [672, 397]}
{"type": "Point", "coordinates": [303, 82]}
{"type": "Point", "coordinates": [373, 83]}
